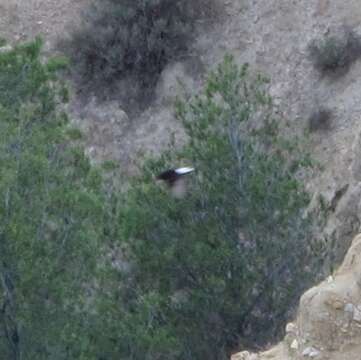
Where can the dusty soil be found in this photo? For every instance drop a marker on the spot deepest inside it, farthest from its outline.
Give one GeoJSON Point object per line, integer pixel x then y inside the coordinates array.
{"type": "Point", "coordinates": [23, 20]}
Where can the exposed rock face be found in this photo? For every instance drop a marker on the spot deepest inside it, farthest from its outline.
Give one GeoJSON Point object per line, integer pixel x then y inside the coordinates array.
{"type": "Point", "coordinates": [328, 325]}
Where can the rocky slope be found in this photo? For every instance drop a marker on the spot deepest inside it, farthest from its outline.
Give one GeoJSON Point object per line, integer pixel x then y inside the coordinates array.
{"type": "Point", "coordinates": [328, 325]}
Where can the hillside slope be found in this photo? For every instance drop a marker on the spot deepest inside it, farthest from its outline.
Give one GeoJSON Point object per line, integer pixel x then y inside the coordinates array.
{"type": "Point", "coordinates": [273, 36]}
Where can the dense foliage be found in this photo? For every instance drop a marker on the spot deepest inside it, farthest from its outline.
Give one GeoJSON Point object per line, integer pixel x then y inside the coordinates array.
{"type": "Point", "coordinates": [51, 214]}
{"type": "Point", "coordinates": [223, 266]}
{"type": "Point", "coordinates": [99, 275]}
{"type": "Point", "coordinates": [130, 40]}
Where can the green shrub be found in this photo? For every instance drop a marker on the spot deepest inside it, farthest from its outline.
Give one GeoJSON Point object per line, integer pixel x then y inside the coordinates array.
{"type": "Point", "coordinates": [51, 211]}
{"type": "Point", "coordinates": [130, 40]}
{"type": "Point", "coordinates": [335, 54]}
{"type": "Point", "coordinates": [222, 267]}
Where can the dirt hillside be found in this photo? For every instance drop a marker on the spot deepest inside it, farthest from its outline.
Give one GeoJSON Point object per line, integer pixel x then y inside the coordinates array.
{"type": "Point", "coordinates": [23, 20]}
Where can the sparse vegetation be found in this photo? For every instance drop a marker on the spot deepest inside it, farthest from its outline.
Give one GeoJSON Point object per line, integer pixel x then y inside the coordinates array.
{"type": "Point", "coordinates": [123, 45]}
{"type": "Point", "coordinates": [335, 54]}
{"type": "Point", "coordinates": [320, 119]}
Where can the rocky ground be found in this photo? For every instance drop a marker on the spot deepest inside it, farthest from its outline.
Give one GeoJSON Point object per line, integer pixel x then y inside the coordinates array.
{"type": "Point", "coordinates": [273, 36]}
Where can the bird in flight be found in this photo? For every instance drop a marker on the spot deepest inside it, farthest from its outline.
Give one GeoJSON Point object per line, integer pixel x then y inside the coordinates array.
{"type": "Point", "coordinates": [175, 179]}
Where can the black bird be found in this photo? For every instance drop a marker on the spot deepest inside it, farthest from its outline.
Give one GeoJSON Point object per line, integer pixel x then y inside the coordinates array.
{"type": "Point", "coordinates": [175, 180]}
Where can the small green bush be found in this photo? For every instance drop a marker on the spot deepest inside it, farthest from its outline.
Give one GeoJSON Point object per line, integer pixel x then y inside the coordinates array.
{"type": "Point", "coordinates": [335, 54]}
{"type": "Point", "coordinates": [130, 40]}
{"type": "Point", "coordinates": [222, 267]}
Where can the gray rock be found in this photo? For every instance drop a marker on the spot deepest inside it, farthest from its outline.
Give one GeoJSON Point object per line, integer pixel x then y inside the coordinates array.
{"type": "Point", "coordinates": [310, 352]}
{"type": "Point", "coordinates": [357, 314]}
{"type": "Point", "coordinates": [291, 328]}
{"type": "Point", "coordinates": [349, 308]}
{"type": "Point", "coordinates": [294, 345]}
